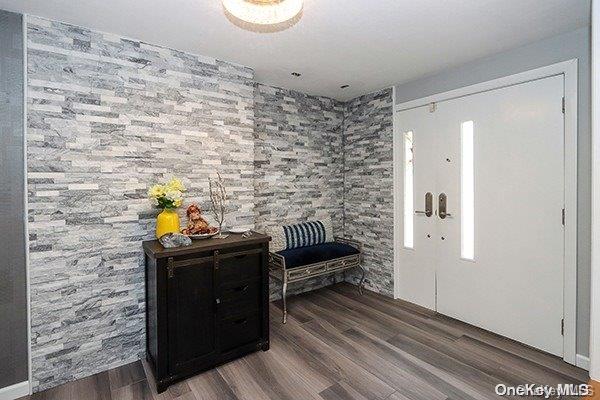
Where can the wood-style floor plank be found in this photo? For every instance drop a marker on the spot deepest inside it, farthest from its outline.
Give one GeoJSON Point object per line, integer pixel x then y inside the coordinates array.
{"type": "Point", "coordinates": [95, 387]}
{"type": "Point", "coordinates": [342, 391]}
{"type": "Point", "coordinates": [126, 375]}
{"type": "Point", "coordinates": [279, 381]}
{"type": "Point", "coordinates": [210, 385]}
{"type": "Point", "coordinates": [471, 376]}
{"type": "Point", "coordinates": [334, 365]}
{"type": "Point", "coordinates": [340, 345]}
{"type": "Point", "coordinates": [395, 324]}
{"type": "Point", "coordinates": [136, 391]}
{"type": "Point", "coordinates": [417, 319]}
{"type": "Point", "coordinates": [346, 317]}
{"type": "Point", "coordinates": [397, 378]}
{"type": "Point", "coordinates": [446, 326]}
{"type": "Point", "coordinates": [304, 367]}
{"type": "Point", "coordinates": [239, 377]}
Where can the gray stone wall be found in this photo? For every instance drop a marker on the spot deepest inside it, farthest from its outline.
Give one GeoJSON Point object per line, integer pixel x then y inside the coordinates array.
{"type": "Point", "coordinates": [298, 164]}
{"type": "Point", "coordinates": [107, 118]}
{"type": "Point", "coordinates": [368, 186]}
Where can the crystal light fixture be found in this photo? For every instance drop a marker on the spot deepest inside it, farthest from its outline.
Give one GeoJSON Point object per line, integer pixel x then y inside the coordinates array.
{"type": "Point", "coordinates": [263, 15]}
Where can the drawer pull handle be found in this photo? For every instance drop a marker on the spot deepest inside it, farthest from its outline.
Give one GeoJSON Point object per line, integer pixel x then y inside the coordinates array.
{"type": "Point", "coordinates": [240, 321]}
{"type": "Point", "coordinates": [241, 288]}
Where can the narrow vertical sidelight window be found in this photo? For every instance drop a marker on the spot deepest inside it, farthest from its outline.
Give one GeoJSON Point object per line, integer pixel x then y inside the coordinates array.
{"type": "Point", "coordinates": [467, 191]}
{"type": "Point", "coordinates": [409, 210]}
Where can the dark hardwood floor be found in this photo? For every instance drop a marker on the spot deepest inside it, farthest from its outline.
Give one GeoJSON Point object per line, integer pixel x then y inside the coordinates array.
{"type": "Point", "coordinates": [339, 345]}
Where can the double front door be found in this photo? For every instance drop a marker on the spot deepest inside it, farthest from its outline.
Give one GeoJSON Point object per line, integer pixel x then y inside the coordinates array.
{"type": "Point", "coordinates": [483, 239]}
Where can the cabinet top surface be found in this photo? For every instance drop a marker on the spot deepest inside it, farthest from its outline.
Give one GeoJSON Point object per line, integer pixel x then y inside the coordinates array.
{"type": "Point", "coordinates": [155, 249]}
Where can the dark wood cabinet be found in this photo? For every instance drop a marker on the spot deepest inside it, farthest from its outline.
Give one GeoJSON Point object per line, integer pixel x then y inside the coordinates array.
{"type": "Point", "coordinates": [206, 304]}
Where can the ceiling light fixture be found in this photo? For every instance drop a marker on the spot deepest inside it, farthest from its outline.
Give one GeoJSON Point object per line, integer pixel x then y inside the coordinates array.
{"type": "Point", "coordinates": [263, 15]}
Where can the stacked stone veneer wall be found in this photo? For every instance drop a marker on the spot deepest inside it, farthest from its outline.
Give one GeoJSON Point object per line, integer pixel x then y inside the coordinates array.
{"type": "Point", "coordinates": [106, 117]}
{"type": "Point", "coordinates": [298, 164]}
{"type": "Point", "coordinates": [368, 186]}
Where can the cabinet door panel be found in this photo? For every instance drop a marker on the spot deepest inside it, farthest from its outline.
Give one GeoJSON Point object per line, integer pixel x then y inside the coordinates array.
{"type": "Point", "coordinates": [191, 314]}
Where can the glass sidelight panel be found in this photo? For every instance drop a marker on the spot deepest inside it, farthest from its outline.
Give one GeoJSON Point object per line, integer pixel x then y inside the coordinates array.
{"type": "Point", "coordinates": [409, 207]}
{"type": "Point", "coordinates": [467, 192]}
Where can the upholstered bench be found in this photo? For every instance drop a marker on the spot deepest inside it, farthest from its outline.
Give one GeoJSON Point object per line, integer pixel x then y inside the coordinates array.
{"type": "Point", "coordinates": [309, 249]}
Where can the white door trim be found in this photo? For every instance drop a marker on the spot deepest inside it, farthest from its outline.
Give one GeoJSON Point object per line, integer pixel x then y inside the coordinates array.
{"type": "Point", "coordinates": [583, 362]}
{"type": "Point", "coordinates": [569, 70]}
{"type": "Point", "coordinates": [595, 280]}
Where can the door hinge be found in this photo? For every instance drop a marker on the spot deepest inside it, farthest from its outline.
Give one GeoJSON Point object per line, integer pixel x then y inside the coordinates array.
{"type": "Point", "coordinates": [562, 327]}
{"type": "Point", "coordinates": [170, 268]}
{"type": "Point", "coordinates": [563, 217]}
{"type": "Point", "coordinates": [563, 105]}
{"type": "Point", "coordinates": [432, 107]}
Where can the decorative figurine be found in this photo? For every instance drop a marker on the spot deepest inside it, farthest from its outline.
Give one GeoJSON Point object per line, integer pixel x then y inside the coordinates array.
{"type": "Point", "coordinates": [197, 225]}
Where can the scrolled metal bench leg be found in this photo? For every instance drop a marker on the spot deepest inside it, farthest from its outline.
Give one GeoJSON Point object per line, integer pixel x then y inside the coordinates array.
{"type": "Point", "coordinates": [362, 280]}
{"type": "Point", "coordinates": [283, 294]}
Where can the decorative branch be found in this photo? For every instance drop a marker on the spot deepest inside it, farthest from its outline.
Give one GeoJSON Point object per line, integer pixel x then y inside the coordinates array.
{"type": "Point", "coordinates": [218, 197]}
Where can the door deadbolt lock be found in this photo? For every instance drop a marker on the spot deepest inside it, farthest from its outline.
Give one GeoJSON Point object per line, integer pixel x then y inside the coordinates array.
{"type": "Point", "coordinates": [442, 206]}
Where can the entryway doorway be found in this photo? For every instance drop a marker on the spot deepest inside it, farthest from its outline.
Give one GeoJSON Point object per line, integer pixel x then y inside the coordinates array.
{"type": "Point", "coordinates": [484, 186]}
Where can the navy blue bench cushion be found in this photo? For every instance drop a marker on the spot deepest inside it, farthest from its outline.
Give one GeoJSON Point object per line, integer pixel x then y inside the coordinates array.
{"type": "Point", "coordinates": [317, 253]}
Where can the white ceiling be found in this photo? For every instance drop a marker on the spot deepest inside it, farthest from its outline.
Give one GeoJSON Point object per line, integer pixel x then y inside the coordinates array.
{"type": "Point", "coordinates": [368, 44]}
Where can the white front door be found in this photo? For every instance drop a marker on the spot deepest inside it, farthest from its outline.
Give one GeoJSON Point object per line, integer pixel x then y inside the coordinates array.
{"type": "Point", "coordinates": [419, 256]}
{"type": "Point", "coordinates": [498, 242]}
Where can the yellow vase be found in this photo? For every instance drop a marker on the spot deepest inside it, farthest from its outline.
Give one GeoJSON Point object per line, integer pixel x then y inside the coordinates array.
{"type": "Point", "coordinates": [167, 222]}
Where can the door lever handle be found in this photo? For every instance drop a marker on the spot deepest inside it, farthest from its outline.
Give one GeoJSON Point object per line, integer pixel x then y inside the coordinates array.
{"type": "Point", "coordinates": [428, 206]}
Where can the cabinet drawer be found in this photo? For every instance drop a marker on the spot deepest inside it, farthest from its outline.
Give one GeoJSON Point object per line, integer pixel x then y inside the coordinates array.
{"type": "Point", "coordinates": [235, 267]}
{"type": "Point", "coordinates": [237, 331]}
{"type": "Point", "coordinates": [242, 295]}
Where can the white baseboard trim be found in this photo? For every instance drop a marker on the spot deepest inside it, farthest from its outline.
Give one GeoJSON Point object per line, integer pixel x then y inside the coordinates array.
{"type": "Point", "coordinates": [583, 362]}
{"type": "Point", "coordinates": [15, 391]}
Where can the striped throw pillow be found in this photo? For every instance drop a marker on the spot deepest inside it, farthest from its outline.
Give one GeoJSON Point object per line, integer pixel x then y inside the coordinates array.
{"type": "Point", "coordinates": [305, 234]}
